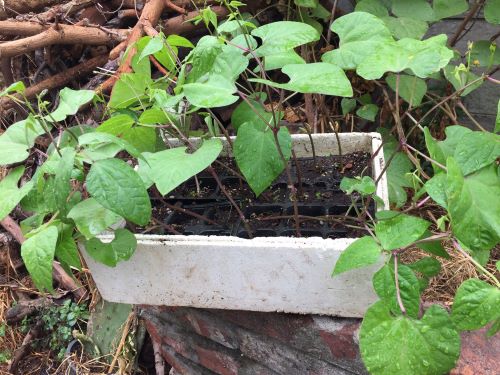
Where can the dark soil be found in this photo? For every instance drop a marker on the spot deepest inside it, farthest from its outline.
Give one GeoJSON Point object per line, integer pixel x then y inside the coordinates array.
{"type": "Point", "coordinates": [270, 214]}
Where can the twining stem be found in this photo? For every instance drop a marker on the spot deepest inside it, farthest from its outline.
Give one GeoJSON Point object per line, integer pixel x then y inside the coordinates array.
{"type": "Point", "coordinates": [166, 226]}
{"type": "Point", "coordinates": [222, 128]}
{"type": "Point", "coordinates": [332, 16]}
{"type": "Point", "coordinates": [339, 144]}
{"type": "Point", "coordinates": [291, 186]}
{"type": "Point", "coordinates": [396, 280]}
{"type": "Point", "coordinates": [233, 172]}
{"type": "Point", "coordinates": [275, 130]}
{"type": "Point", "coordinates": [188, 212]}
{"type": "Point", "coordinates": [462, 107]}
{"type": "Point", "coordinates": [473, 261]}
{"type": "Point", "coordinates": [212, 171]}
{"type": "Point", "coordinates": [230, 198]}
{"type": "Point", "coordinates": [425, 156]}
{"type": "Point", "coordinates": [299, 173]}
{"type": "Point", "coordinates": [473, 10]}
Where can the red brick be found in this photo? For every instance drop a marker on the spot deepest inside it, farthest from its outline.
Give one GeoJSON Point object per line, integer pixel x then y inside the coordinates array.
{"type": "Point", "coordinates": [479, 355]}
{"type": "Point", "coordinates": [250, 343]}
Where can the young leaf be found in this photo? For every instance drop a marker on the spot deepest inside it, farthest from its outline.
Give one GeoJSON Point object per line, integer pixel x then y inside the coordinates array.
{"type": "Point", "coordinates": [449, 8]}
{"type": "Point", "coordinates": [400, 231]}
{"type": "Point", "coordinates": [18, 139]}
{"type": "Point", "coordinates": [210, 91]}
{"type": "Point", "coordinates": [361, 34]}
{"type": "Point", "coordinates": [253, 110]}
{"type": "Point", "coordinates": [129, 89]}
{"type": "Point", "coordinates": [141, 137]}
{"type": "Point", "coordinates": [38, 253]}
{"type": "Point", "coordinates": [492, 11]}
{"type": "Point", "coordinates": [257, 155]}
{"type": "Point", "coordinates": [13, 88]}
{"type": "Point", "coordinates": [364, 186]}
{"type": "Point", "coordinates": [384, 284]}
{"type": "Point", "coordinates": [423, 58]}
{"type": "Point", "coordinates": [153, 46]}
{"type": "Point", "coordinates": [203, 56]}
{"type": "Point", "coordinates": [119, 249]}
{"type": "Point", "coordinates": [375, 7]}
{"type": "Point", "coordinates": [400, 165]}
{"type": "Point", "coordinates": [179, 41]}
{"type": "Point", "coordinates": [318, 78]}
{"type": "Point", "coordinates": [235, 27]}
{"type": "Point", "coordinates": [462, 78]}
{"type": "Point", "coordinates": [279, 60]}
{"type": "Point", "coordinates": [476, 304]}
{"type": "Point", "coordinates": [116, 186]}
{"type": "Point", "coordinates": [361, 253]}
{"type": "Point", "coordinates": [405, 27]}
{"type": "Point", "coordinates": [473, 206]}
{"type": "Point", "coordinates": [70, 102]}
{"type": "Point", "coordinates": [96, 139]}
{"type": "Point", "coordinates": [429, 346]}
{"type": "Point", "coordinates": [411, 88]}
{"type": "Point", "coordinates": [306, 3]}
{"type": "Point", "coordinates": [283, 36]}
{"type": "Point", "coordinates": [436, 188]}
{"type": "Point", "coordinates": [91, 218]}
{"type": "Point", "coordinates": [368, 112]}
{"type": "Point", "coordinates": [484, 54]}
{"type": "Point", "coordinates": [416, 9]}
{"type": "Point", "coordinates": [10, 194]}
{"type": "Point", "coordinates": [66, 251]}
{"type": "Point", "coordinates": [347, 105]}
{"type": "Point", "coordinates": [497, 119]}
{"type": "Point", "coordinates": [440, 151]}
{"type": "Point", "coordinates": [170, 168]}
{"type": "Point", "coordinates": [62, 178]}
{"type": "Point", "coordinates": [427, 266]}
{"type": "Point", "coordinates": [476, 150]}
{"type": "Point", "coordinates": [432, 247]}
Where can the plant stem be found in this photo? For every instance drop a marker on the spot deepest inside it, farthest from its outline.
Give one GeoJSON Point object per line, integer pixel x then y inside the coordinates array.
{"type": "Point", "coordinates": [335, 130]}
{"type": "Point", "coordinates": [235, 205]}
{"type": "Point", "coordinates": [462, 107]}
{"type": "Point", "coordinates": [166, 226]}
{"type": "Point", "coordinates": [477, 5]}
{"type": "Point", "coordinates": [425, 156]}
{"type": "Point", "coordinates": [396, 280]}
{"type": "Point", "coordinates": [291, 186]}
{"type": "Point", "coordinates": [188, 212]}
{"type": "Point", "coordinates": [473, 261]}
{"type": "Point", "coordinates": [299, 174]}
{"type": "Point", "coordinates": [222, 128]}
{"type": "Point", "coordinates": [332, 17]}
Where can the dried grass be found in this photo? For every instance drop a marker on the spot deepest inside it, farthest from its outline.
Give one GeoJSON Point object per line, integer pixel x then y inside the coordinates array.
{"type": "Point", "coordinates": [454, 272]}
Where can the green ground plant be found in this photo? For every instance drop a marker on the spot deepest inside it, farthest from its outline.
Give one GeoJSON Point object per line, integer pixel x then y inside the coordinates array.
{"type": "Point", "coordinates": [95, 177]}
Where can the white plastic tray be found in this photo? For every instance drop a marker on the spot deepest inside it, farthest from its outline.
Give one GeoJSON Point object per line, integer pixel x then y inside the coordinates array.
{"type": "Point", "coordinates": [261, 274]}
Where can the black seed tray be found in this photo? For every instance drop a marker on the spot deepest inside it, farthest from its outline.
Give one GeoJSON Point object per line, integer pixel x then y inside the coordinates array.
{"type": "Point", "coordinates": [321, 196]}
{"type": "Point", "coordinates": [229, 223]}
